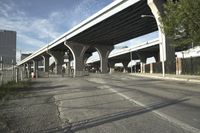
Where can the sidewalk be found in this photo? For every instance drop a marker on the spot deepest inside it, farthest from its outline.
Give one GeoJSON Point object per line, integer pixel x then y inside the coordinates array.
{"type": "Point", "coordinates": [186, 78]}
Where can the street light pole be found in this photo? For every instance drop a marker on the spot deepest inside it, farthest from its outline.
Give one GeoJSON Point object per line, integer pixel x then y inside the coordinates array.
{"type": "Point", "coordinates": [163, 56]}
{"type": "Point", "coordinates": [161, 43]}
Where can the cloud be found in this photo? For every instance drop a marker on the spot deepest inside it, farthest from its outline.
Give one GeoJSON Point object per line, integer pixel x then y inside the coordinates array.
{"type": "Point", "coordinates": [31, 41]}
{"type": "Point", "coordinates": [44, 29]}
{"type": "Point", "coordinates": [37, 29]}
{"type": "Point", "coordinates": [30, 31]}
{"type": "Point", "coordinates": [84, 9]}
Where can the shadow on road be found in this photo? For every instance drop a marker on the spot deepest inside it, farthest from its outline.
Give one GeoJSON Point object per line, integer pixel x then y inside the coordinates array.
{"type": "Point", "coordinates": [96, 121]}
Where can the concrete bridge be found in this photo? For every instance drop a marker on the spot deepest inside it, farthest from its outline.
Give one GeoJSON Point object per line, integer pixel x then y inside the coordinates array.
{"type": "Point", "coordinates": [140, 52]}
{"type": "Point", "coordinates": [118, 22]}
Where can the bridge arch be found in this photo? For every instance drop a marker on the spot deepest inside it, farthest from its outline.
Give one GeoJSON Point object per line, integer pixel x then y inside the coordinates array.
{"type": "Point", "coordinates": [92, 54]}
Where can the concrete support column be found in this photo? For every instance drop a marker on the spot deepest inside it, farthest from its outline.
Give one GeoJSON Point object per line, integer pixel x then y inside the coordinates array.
{"type": "Point", "coordinates": [112, 67]}
{"type": "Point", "coordinates": [59, 60]}
{"type": "Point", "coordinates": [85, 58]}
{"type": "Point", "coordinates": [25, 70]}
{"type": "Point", "coordinates": [46, 62]}
{"type": "Point", "coordinates": [29, 70]}
{"type": "Point", "coordinates": [125, 64]}
{"type": "Point", "coordinates": [35, 68]}
{"type": "Point", "coordinates": [104, 52]}
{"type": "Point", "coordinates": [178, 66]}
{"type": "Point", "coordinates": [151, 68]}
{"type": "Point", "coordinates": [104, 65]}
{"type": "Point", "coordinates": [142, 67]}
{"type": "Point", "coordinates": [21, 72]}
{"type": "Point", "coordinates": [79, 66]}
{"type": "Point", "coordinates": [142, 56]}
{"type": "Point", "coordinates": [97, 66]}
{"type": "Point", "coordinates": [68, 69]}
{"type": "Point", "coordinates": [78, 50]}
{"type": "Point", "coordinates": [24, 67]}
{"type": "Point", "coordinates": [167, 52]}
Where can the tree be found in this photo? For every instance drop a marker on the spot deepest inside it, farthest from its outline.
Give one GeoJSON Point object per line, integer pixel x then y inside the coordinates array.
{"type": "Point", "coordinates": [181, 22]}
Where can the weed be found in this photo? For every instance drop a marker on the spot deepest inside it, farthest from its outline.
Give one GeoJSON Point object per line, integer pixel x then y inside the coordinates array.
{"type": "Point", "coordinates": [10, 88]}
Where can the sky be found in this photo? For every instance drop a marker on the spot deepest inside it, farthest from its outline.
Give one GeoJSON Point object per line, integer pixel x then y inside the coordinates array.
{"type": "Point", "coordinates": [38, 22]}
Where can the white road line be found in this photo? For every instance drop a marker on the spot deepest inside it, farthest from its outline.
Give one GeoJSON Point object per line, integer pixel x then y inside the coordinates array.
{"type": "Point", "coordinates": [168, 118]}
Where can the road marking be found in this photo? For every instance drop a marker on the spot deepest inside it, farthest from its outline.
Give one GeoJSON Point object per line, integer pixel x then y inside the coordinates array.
{"type": "Point", "coordinates": [160, 114]}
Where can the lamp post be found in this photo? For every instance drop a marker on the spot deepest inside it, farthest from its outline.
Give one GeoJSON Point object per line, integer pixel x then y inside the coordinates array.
{"type": "Point", "coordinates": [161, 43]}
{"type": "Point", "coordinates": [125, 47]}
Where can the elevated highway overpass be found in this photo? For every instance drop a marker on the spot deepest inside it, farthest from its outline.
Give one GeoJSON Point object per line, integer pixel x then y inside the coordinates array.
{"type": "Point", "coordinates": [150, 48]}
{"type": "Point", "coordinates": [118, 22]}
{"type": "Point", "coordinates": [126, 55]}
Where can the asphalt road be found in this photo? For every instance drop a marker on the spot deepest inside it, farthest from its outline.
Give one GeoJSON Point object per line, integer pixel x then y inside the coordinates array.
{"type": "Point", "coordinates": [117, 103]}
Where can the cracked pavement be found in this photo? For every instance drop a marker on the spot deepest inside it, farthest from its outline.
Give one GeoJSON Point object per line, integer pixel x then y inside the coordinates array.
{"type": "Point", "coordinates": [105, 103]}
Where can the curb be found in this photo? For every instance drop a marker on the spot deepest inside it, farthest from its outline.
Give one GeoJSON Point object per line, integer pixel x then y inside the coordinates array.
{"type": "Point", "coordinates": [168, 78]}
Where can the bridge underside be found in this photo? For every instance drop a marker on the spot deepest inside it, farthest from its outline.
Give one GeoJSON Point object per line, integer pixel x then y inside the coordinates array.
{"type": "Point", "coordinates": [135, 54]}
{"type": "Point", "coordinates": [123, 26]}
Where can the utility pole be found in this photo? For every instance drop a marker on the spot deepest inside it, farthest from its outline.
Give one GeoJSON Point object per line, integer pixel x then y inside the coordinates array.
{"type": "Point", "coordinates": [161, 43]}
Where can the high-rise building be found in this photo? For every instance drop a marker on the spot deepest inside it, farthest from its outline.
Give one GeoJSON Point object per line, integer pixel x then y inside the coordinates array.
{"type": "Point", "coordinates": [8, 47]}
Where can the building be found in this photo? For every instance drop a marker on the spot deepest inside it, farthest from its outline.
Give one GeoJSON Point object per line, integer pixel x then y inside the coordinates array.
{"type": "Point", "coordinates": [8, 47]}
